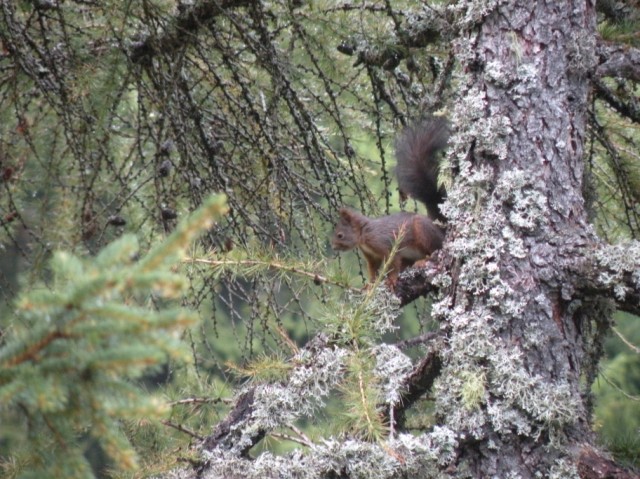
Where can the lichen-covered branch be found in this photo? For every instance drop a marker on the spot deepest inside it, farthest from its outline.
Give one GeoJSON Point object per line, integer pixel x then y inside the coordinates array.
{"type": "Point", "coordinates": [618, 61]}
{"type": "Point", "coordinates": [612, 271]}
{"type": "Point", "coordinates": [419, 382]}
{"type": "Point", "coordinates": [419, 281]}
{"type": "Point", "coordinates": [628, 109]}
{"type": "Point", "coordinates": [415, 34]}
{"type": "Point", "coordinates": [317, 369]}
{"type": "Point", "coordinates": [236, 428]}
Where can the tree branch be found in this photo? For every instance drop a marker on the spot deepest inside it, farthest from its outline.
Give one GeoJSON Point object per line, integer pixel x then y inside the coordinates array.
{"type": "Point", "coordinates": [617, 61]}
{"type": "Point", "coordinates": [184, 29]}
{"type": "Point", "coordinates": [418, 280]}
{"type": "Point", "coordinates": [232, 430]}
{"type": "Point", "coordinates": [422, 339]}
{"type": "Point", "coordinates": [628, 109]}
{"type": "Point", "coordinates": [297, 269]}
{"type": "Point", "coordinates": [252, 417]}
{"type": "Point", "coordinates": [182, 428]}
{"type": "Point", "coordinates": [612, 271]}
{"type": "Point", "coordinates": [417, 35]}
{"type": "Point", "coordinates": [419, 382]}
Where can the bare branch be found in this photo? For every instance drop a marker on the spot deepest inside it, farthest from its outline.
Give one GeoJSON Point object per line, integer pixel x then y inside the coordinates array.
{"type": "Point", "coordinates": [610, 382]}
{"type": "Point", "coordinates": [633, 348]}
{"type": "Point", "coordinates": [182, 428]}
{"type": "Point", "coordinates": [422, 339]}
{"type": "Point", "coordinates": [287, 437]}
{"type": "Point", "coordinates": [195, 400]}
{"type": "Point", "coordinates": [186, 25]}
{"type": "Point", "coordinates": [304, 438]}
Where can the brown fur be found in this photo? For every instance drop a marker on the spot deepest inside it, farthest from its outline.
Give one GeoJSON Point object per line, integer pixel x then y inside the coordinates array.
{"type": "Point", "coordinates": [375, 237]}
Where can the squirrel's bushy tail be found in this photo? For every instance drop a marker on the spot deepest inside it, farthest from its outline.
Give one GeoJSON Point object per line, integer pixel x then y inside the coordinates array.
{"type": "Point", "coordinates": [417, 150]}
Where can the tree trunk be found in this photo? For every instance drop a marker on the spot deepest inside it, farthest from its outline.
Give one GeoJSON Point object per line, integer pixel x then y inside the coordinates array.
{"type": "Point", "coordinates": [522, 338]}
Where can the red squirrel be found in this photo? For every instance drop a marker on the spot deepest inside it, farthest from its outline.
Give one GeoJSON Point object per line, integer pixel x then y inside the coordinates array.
{"type": "Point", "coordinates": [417, 170]}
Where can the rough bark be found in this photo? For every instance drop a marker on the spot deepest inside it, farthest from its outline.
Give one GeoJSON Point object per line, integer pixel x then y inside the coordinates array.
{"type": "Point", "coordinates": [516, 314]}
{"type": "Point", "coordinates": [228, 432]}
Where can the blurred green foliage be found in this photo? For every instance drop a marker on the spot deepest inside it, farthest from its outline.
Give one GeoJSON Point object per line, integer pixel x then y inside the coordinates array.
{"type": "Point", "coordinates": [617, 391]}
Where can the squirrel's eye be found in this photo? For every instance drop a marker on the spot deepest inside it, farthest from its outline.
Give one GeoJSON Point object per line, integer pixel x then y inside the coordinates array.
{"type": "Point", "coordinates": [340, 235]}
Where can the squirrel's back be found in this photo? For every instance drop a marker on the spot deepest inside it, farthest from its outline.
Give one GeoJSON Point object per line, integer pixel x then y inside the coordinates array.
{"type": "Point", "coordinates": [417, 150]}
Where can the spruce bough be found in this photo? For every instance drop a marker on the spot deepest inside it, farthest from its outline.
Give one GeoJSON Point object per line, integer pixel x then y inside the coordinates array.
{"type": "Point", "coordinates": [70, 354]}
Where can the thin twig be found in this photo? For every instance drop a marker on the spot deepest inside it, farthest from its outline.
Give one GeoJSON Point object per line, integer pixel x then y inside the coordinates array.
{"type": "Point", "coordinates": [267, 264]}
{"type": "Point", "coordinates": [181, 428]}
{"type": "Point", "coordinates": [423, 338]}
{"type": "Point", "coordinates": [201, 401]}
{"type": "Point", "coordinates": [287, 437]}
{"type": "Point", "coordinates": [301, 434]}
{"type": "Point", "coordinates": [633, 348]}
{"type": "Point", "coordinates": [618, 388]}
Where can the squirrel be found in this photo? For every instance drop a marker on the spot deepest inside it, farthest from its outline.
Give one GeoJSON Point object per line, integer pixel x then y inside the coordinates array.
{"type": "Point", "coordinates": [417, 150]}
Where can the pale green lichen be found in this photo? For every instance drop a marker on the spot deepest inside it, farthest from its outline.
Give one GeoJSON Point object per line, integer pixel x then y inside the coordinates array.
{"type": "Point", "coordinates": [314, 376]}
{"type": "Point", "coordinates": [470, 13]}
{"type": "Point", "coordinates": [562, 469]}
{"type": "Point", "coordinates": [473, 388]}
{"type": "Point", "coordinates": [617, 264]}
{"type": "Point", "coordinates": [406, 456]}
{"type": "Point", "coordinates": [391, 370]}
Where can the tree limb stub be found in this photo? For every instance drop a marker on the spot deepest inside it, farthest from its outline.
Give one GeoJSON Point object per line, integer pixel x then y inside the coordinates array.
{"type": "Point", "coordinates": [229, 432]}
{"type": "Point", "coordinates": [618, 61]}
{"type": "Point", "coordinates": [418, 383]}
{"type": "Point", "coordinates": [612, 271]}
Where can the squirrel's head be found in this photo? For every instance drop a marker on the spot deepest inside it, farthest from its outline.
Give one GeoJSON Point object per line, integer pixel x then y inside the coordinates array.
{"type": "Point", "coordinates": [347, 231]}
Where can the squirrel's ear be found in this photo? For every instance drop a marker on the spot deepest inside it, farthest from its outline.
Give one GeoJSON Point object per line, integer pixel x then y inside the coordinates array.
{"type": "Point", "coordinates": [352, 217]}
{"type": "Point", "coordinates": [345, 213]}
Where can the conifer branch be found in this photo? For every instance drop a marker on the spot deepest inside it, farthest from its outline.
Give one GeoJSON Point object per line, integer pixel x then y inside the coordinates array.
{"type": "Point", "coordinates": [363, 398]}
{"type": "Point", "coordinates": [31, 353]}
{"type": "Point", "coordinates": [277, 265]}
{"type": "Point", "coordinates": [85, 339]}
